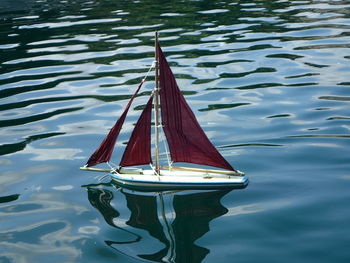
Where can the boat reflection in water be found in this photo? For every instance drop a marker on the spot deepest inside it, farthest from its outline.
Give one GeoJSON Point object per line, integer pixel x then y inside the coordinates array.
{"type": "Point", "coordinates": [158, 226]}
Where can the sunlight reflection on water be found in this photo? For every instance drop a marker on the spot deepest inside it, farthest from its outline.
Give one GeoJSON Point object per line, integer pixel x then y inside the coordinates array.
{"type": "Point", "coordinates": [268, 82]}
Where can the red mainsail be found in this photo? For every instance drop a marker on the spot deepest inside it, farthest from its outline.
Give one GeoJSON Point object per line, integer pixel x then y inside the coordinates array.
{"type": "Point", "coordinates": [138, 150]}
{"type": "Point", "coordinates": [186, 139]}
{"type": "Point", "coordinates": [104, 152]}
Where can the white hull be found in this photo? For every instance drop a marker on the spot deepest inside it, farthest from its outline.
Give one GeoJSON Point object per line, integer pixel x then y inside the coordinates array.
{"type": "Point", "coordinates": [172, 180]}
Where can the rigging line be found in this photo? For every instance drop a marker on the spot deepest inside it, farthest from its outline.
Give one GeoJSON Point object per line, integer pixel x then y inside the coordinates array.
{"type": "Point", "coordinates": [170, 162]}
{"type": "Point", "coordinates": [112, 164]}
{"type": "Point", "coordinates": [113, 169]}
{"type": "Point", "coordinates": [117, 167]}
{"type": "Point", "coordinates": [149, 71]}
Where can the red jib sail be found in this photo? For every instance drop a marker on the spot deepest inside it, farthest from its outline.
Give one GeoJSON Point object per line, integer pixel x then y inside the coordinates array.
{"type": "Point", "coordinates": [104, 152]}
{"type": "Point", "coordinates": [138, 150]}
{"type": "Point", "coordinates": [186, 139]}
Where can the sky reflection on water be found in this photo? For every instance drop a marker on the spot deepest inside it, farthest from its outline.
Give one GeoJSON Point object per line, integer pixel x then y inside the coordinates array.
{"type": "Point", "coordinates": [268, 82]}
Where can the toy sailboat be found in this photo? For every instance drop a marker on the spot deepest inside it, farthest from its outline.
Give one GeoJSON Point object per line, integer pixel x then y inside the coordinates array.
{"type": "Point", "coordinates": [185, 138]}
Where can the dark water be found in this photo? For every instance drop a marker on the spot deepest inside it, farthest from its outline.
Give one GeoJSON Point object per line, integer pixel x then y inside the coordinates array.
{"type": "Point", "coordinates": [269, 82]}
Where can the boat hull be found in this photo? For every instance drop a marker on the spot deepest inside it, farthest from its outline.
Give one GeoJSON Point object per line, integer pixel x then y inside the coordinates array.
{"type": "Point", "coordinates": [178, 180]}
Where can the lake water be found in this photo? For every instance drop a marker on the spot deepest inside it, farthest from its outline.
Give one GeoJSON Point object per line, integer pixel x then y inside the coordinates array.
{"type": "Point", "coordinates": [269, 82]}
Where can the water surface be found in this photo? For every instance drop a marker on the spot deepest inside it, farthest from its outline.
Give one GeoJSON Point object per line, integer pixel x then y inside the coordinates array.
{"type": "Point", "coordinates": [268, 82]}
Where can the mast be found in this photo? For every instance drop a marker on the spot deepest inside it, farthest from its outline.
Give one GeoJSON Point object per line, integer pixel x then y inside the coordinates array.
{"type": "Point", "coordinates": [156, 104]}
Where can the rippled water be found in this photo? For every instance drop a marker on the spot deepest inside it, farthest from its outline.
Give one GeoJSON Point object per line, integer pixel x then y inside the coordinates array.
{"type": "Point", "coordinates": [269, 83]}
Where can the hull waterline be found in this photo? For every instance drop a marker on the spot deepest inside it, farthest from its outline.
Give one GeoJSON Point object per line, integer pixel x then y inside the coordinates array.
{"type": "Point", "coordinates": [175, 180]}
